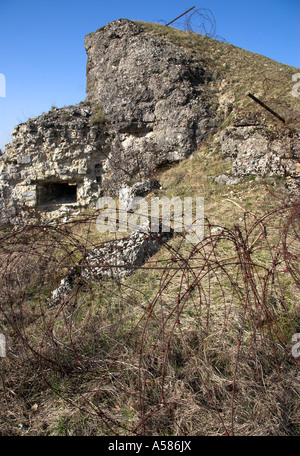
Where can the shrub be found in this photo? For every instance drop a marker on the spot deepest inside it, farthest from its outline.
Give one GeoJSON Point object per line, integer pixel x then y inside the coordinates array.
{"type": "Point", "coordinates": [98, 118]}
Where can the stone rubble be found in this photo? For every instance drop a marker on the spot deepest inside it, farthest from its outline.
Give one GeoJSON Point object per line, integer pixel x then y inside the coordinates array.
{"type": "Point", "coordinates": [116, 260]}
{"type": "Point", "coordinates": [255, 150]}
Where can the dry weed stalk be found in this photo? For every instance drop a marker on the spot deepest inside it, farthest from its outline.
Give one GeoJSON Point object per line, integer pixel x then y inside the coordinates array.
{"type": "Point", "coordinates": [196, 342]}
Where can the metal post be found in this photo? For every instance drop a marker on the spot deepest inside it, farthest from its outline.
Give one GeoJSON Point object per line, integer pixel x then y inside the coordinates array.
{"type": "Point", "coordinates": [180, 16]}
{"type": "Point", "coordinates": [266, 107]}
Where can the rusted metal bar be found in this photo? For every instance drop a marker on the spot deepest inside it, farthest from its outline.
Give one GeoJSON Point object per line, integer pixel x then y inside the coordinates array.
{"type": "Point", "coordinates": [266, 107]}
{"type": "Point", "coordinates": [180, 16]}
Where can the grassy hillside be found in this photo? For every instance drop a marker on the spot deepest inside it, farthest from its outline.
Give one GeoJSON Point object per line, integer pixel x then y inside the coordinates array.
{"type": "Point", "coordinates": [196, 342]}
{"type": "Point", "coordinates": [242, 72]}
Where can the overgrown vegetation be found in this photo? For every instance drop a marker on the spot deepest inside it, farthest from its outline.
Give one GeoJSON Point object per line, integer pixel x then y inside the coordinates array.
{"type": "Point", "coordinates": [196, 342]}
{"type": "Point", "coordinates": [98, 118]}
{"type": "Point", "coordinates": [242, 71]}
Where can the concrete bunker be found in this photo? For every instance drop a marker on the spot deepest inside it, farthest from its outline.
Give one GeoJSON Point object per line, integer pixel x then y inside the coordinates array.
{"type": "Point", "coordinates": [52, 193]}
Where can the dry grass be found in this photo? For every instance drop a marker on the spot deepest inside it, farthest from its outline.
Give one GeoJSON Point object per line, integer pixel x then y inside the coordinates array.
{"type": "Point", "coordinates": [197, 342]}
{"type": "Point", "coordinates": [242, 72]}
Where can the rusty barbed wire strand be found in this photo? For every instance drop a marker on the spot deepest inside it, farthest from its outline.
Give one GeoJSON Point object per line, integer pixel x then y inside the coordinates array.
{"type": "Point", "coordinates": [199, 292]}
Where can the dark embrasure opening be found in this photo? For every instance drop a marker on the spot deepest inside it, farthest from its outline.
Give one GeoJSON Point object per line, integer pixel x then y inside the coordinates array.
{"type": "Point", "coordinates": [56, 193]}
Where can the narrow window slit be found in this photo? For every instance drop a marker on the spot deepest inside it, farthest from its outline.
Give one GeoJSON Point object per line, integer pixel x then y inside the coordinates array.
{"type": "Point", "coordinates": [56, 193]}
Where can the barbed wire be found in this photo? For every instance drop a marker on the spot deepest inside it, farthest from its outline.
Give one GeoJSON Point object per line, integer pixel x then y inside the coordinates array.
{"type": "Point", "coordinates": [178, 355]}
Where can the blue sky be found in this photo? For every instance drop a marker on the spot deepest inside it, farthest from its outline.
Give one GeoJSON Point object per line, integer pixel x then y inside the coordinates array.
{"type": "Point", "coordinates": [42, 53]}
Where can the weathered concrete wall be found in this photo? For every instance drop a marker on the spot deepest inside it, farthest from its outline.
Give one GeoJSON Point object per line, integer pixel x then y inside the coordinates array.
{"type": "Point", "coordinates": [143, 110]}
{"type": "Point", "coordinates": [260, 151]}
{"type": "Point", "coordinates": [149, 103]}
{"type": "Point", "coordinates": [57, 147]}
